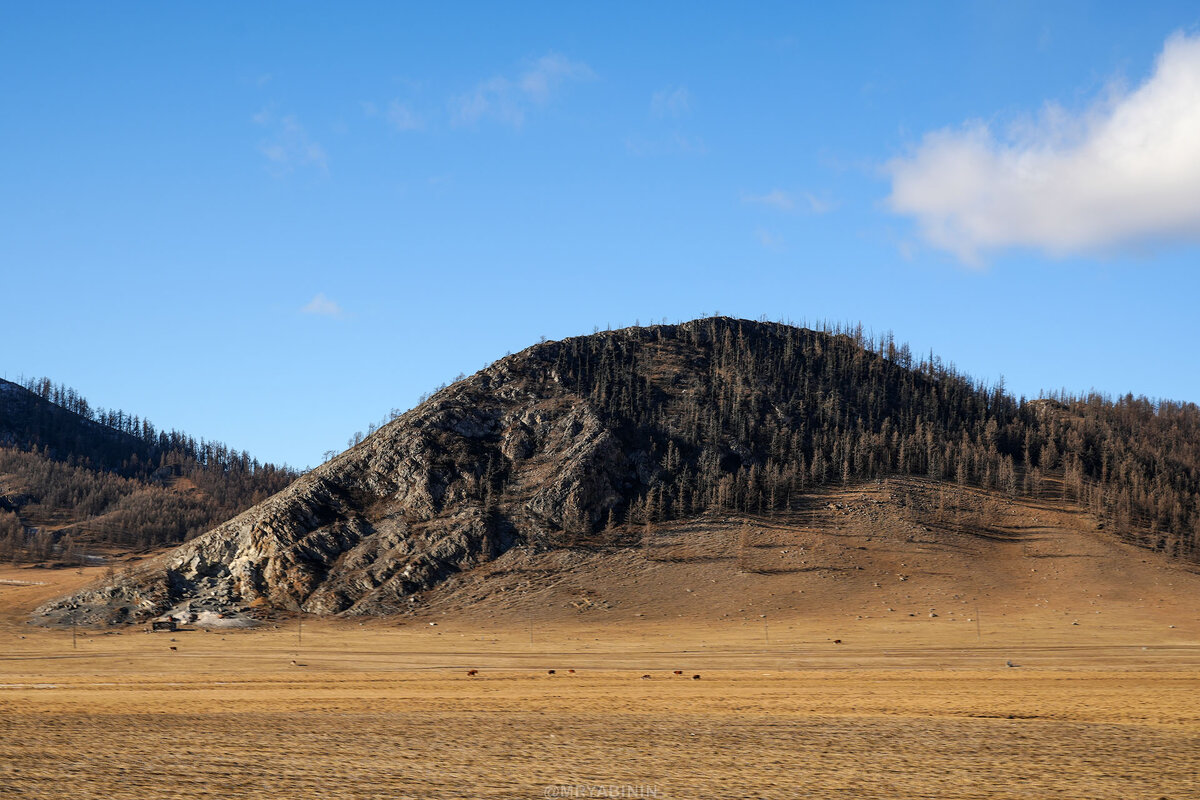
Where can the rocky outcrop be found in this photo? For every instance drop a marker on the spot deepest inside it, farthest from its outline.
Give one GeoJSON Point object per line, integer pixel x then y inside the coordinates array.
{"type": "Point", "coordinates": [507, 456]}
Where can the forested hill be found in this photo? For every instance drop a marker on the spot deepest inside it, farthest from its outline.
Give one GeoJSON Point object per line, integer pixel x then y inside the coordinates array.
{"type": "Point", "coordinates": [588, 442]}
{"type": "Point", "coordinates": [747, 415]}
{"type": "Point", "coordinates": [71, 475]}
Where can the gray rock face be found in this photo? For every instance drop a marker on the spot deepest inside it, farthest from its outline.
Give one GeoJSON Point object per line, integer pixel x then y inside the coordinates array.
{"type": "Point", "coordinates": [505, 457]}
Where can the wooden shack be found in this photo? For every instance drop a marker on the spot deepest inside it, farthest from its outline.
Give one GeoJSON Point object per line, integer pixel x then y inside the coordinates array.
{"type": "Point", "coordinates": [163, 624]}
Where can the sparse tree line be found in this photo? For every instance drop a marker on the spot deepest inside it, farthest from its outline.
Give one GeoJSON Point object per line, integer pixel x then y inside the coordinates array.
{"type": "Point", "coordinates": [16, 543]}
{"type": "Point", "coordinates": [150, 449]}
{"type": "Point", "coordinates": [109, 477]}
{"type": "Point", "coordinates": [748, 417]}
{"type": "Point", "coordinates": [358, 437]}
{"type": "Point", "coordinates": [393, 414]}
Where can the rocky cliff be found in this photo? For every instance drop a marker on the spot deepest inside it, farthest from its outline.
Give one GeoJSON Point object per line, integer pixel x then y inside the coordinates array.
{"type": "Point", "coordinates": [506, 456]}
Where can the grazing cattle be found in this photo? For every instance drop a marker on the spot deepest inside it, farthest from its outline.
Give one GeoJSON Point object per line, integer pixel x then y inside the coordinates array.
{"type": "Point", "coordinates": [837, 641]}
{"type": "Point", "coordinates": [173, 647]}
{"type": "Point", "coordinates": [571, 671]}
{"type": "Point", "coordinates": [549, 672]}
{"type": "Point", "coordinates": [678, 672]}
{"type": "Point", "coordinates": [645, 677]}
{"type": "Point", "coordinates": [695, 677]}
{"type": "Point", "coordinates": [472, 672]}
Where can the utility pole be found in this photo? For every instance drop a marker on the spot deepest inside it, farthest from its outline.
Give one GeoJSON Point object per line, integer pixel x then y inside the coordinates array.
{"type": "Point", "coordinates": [73, 645]}
{"type": "Point", "coordinates": [299, 630]}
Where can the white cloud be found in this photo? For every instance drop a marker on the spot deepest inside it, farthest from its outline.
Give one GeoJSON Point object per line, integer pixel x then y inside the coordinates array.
{"type": "Point", "coordinates": [768, 239]}
{"type": "Point", "coordinates": [805, 202]}
{"type": "Point", "coordinates": [289, 146]}
{"type": "Point", "coordinates": [666, 136]}
{"type": "Point", "coordinates": [1124, 173]}
{"type": "Point", "coordinates": [509, 99]}
{"type": "Point", "coordinates": [322, 306]}
{"type": "Point", "coordinates": [671, 102]}
{"type": "Point", "coordinates": [816, 205]}
{"type": "Point", "coordinates": [548, 73]}
{"type": "Point", "coordinates": [403, 118]}
{"type": "Point", "coordinates": [777, 198]}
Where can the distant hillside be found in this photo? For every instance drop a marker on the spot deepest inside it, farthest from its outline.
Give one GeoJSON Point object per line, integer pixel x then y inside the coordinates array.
{"type": "Point", "coordinates": [72, 475]}
{"type": "Point", "coordinates": [588, 442]}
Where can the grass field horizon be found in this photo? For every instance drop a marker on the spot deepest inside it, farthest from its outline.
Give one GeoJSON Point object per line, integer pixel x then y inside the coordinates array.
{"type": "Point", "coordinates": [875, 665]}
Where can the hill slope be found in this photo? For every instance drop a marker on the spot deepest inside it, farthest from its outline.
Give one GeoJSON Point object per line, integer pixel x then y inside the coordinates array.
{"type": "Point", "coordinates": [588, 443]}
{"type": "Point", "coordinates": [73, 477]}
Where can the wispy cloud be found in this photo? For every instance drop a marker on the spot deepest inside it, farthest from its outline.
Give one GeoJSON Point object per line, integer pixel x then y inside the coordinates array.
{"type": "Point", "coordinates": [767, 239]}
{"type": "Point", "coordinates": [666, 135]}
{"type": "Point", "coordinates": [402, 118]}
{"type": "Point", "coordinates": [287, 144]}
{"type": "Point", "coordinates": [671, 144]}
{"type": "Point", "coordinates": [798, 202]}
{"type": "Point", "coordinates": [671, 102]}
{"type": "Point", "coordinates": [548, 73]}
{"type": "Point", "coordinates": [508, 99]}
{"type": "Point", "coordinates": [322, 306]}
{"type": "Point", "coordinates": [1125, 172]}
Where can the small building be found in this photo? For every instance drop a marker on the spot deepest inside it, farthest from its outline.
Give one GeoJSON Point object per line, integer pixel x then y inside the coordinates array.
{"type": "Point", "coordinates": [163, 624]}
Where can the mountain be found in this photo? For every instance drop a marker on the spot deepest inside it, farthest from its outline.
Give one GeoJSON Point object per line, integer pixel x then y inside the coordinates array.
{"type": "Point", "coordinates": [591, 443]}
{"type": "Point", "coordinates": [75, 477]}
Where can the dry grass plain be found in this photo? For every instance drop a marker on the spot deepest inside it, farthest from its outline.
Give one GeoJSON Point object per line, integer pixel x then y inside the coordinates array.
{"type": "Point", "coordinates": [1104, 700]}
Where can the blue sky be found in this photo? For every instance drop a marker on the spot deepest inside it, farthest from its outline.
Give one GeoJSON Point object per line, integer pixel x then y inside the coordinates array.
{"type": "Point", "coordinates": [270, 223]}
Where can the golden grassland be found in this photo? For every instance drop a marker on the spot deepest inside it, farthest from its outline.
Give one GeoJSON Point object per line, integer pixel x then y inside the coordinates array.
{"type": "Point", "coordinates": [381, 710]}
{"type": "Point", "coordinates": [856, 733]}
{"type": "Point", "coordinates": [917, 700]}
